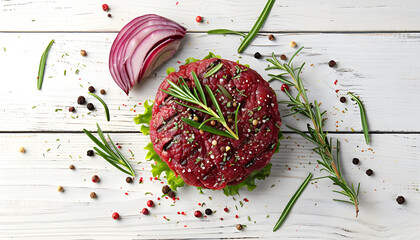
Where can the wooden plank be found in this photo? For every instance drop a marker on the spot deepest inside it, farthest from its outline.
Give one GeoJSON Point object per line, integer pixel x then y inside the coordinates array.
{"type": "Point", "coordinates": [380, 68]}
{"type": "Point", "coordinates": [31, 207]}
{"type": "Point", "coordinates": [287, 15]}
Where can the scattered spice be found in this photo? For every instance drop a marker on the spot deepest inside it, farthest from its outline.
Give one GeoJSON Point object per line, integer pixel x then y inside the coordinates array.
{"type": "Point", "coordinates": [166, 189]}
{"type": "Point", "coordinates": [129, 180]}
{"type": "Point", "coordinates": [95, 178]}
{"type": "Point", "coordinates": [284, 87]}
{"type": "Point", "coordinates": [90, 106]}
{"type": "Point", "coordinates": [91, 89]}
{"type": "Point", "coordinates": [292, 44]}
{"type": "Point", "coordinates": [213, 123]}
{"type": "Point", "coordinates": [400, 199]}
{"type": "Point", "coordinates": [197, 214]}
{"type": "Point", "coordinates": [60, 189]}
{"type": "Point", "coordinates": [271, 37]}
{"type": "Point", "coordinates": [109, 15]}
{"type": "Point", "coordinates": [93, 195]}
{"type": "Point", "coordinates": [239, 227]}
{"type": "Point", "coordinates": [145, 211]}
{"type": "Point", "coordinates": [283, 57]}
{"type": "Point", "coordinates": [150, 203]}
{"type": "Point", "coordinates": [22, 150]}
{"type": "Point", "coordinates": [81, 100]}
{"type": "Point", "coordinates": [214, 143]}
{"type": "Point", "coordinates": [208, 211]}
{"type": "Point", "coordinates": [343, 99]}
{"type": "Point", "coordinates": [355, 161]}
{"type": "Point", "coordinates": [71, 109]}
{"type": "Point", "coordinates": [90, 153]}
{"type": "Point", "coordinates": [257, 55]}
{"type": "Point", "coordinates": [332, 63]}
{"type": "Point", "coordinates": [103, 92]}
{"type": "Point", "coordinates": [115, 215]}
{"type": "Point", "coordinates": [171, 194]}
{"type": "Point", "coordinates": [83, 53]}
{"type": "Point", "coordinates": [72, 167]}
{"type": "Point", "coordinates": [255, 122]}
{"type": "Point", "coordinates": [198, 19]}
{"type": "Point", "coordinates": [105, 7]}
{"type": "Point", "coordinates": [369, 172]}
{"type": "Point", "coordinates": [226, 209]}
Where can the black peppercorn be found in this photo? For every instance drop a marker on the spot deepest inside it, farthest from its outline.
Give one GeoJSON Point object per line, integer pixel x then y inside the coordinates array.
{"type": "Point", "coordinates": [129, 180]}
{"type": "Point", "coordinates": [91, 89]}
{"type": "Point", "coordinates": [283, 57]}
{"type": "Point", "coordinates": [71, 109]}
{"type": "Point", "coordinates": [355, 161]}
{"type": "Point", "coordinates": [369, 172]}
{"type": "Point", "coordinates": [239, 227]}
{"type": "Point", "coordinates": [90, 106]}
{"type": "Point", "coordinates": [103, 91]}
{"type": "Point", "coordinates": [343, 99]}
{"type": "Point", "coordinates": [257, 55]}
{"type": "Point", "coordinates": [109, 15]}
{"type": "Point", "coordinates": [208, 211]}
{"type": "Point", "coordinates": [81, 100]}
{"type": "Point", "coordinates": [332, 63]}
{"type": "Point", "coordinates": [166, 189]}
{"type": "Point", "coordinates": [400, 199]}
{"type": "Point", "coordinates": [90, 153]}
{"type": "Point", "coordinates": [271, 37]}
{"type": "Point", "coordinates": [171, 194]}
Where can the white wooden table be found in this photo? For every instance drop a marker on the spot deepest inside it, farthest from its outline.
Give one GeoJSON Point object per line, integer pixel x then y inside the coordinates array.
{"type": "Point", "coordinates": [375, 43]}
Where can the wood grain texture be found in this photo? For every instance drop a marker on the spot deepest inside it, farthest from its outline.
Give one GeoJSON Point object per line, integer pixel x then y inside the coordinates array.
{"type": "Point", "coordinates": [380, 68]}
{"type": "Point", "coordinates": [287, 15]}
{"type": "Point", "coordinates": [35, 210]}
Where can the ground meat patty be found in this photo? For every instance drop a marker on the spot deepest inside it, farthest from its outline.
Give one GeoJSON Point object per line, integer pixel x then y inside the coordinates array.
{"type": "Point", "coordinates": [191, 154]}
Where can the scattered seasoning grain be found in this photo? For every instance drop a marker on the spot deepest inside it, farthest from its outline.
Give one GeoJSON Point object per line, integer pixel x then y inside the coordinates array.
{"type": "Point", "coordinates": [198, 19]}
{"type": "Point", "coordinates": [81, 100]}
{"type": "Point", "coordinates": [90, 106]}
{"type": "Point", "coordinates": [369, 172]}
{"type": "Point", "coordinates": [226, 209]}
{"type": "Point", "coordinates": [201, 131]}
{"type": "Point", "coordinates": [95, 178]}
{"type": "Point", "coordinates": [400, 199]}
{"type": "Point", "coordinates": [72, 167]}
{"type": "Point", "coordinates": [105, 7]}
{"type": "Point", "coordinates": [213, 123]}
{"type": "Point", "coordinates": [197, 214]}
{"type": "Point", "coordinates": [150, 203]}
{"type": "Point", "coordinates": [284, 87]}
{"type": "Point", "coordinates": [292, 44]}
{"type": "Point", "coordinates": [214, 142]}
{"type": "Point", "coordinates": [91, 89]}
{"type": "Point", "coordinates": [355, 161]}
{"type": "Point", "coordinates": [109, 15]}
{"type": "Point", "coordinates": [115, 215]}
{"type": "Point", "coordinates": [239, 227]}
{"type": "Point", "coordinates": [145, 211]}
{"type": "Point", "coordinates": [22, 150]}
{"type": "Point", "coordinates": [166, 189]}
{"type": "Point", "coordinates": [257, 55]}
{"type": "Point", "coordinates": [71, 109]}
{"type": "Point", "coordinates": [283, 57]}
{"type": "Point", "coordinates": [223, 149]}
{"type": "Point", "coordinates": [83, 53]}
{"type": "Point", "coordinates": [90, 153]}
{"type": "Point", "coordinates": [227, 148]}
{"type": "Point", "coordinates": [343, 99]}
{"type": "Point", "coordinates": [271, 37]}
{"type": "Point", "coordinates": [93, 195]}
{"type": "Point", "coordinates": [208, 211]}
{"type": "Point", "coordinates": [332, 63]}
{"type": "Point", "coordinates": [171, 194]}
{"type": "Point", "coordinates": [196, 118]}
{"type": "Point", "coordinates": [235, 104]}
{"type": "Point", "coordinates": [103, 92]}
{"type": "Point", "coordinates": [60, 189]}
{"type": "Point", "coordinates": [129, 180]}
{"type": "Point", "coordinates": [255, 122]}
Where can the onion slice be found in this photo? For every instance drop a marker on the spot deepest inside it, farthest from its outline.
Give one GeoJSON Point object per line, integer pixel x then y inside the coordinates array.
{"type": "Point", "coordinates": [141, 46]}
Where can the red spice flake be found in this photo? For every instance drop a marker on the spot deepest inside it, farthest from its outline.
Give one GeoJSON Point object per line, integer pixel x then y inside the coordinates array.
{"type": "Point", "coordinates": [335, 82]}
{"type": "Point", "coordinates": [141, 180]}
{"type": "Point", "coordinates": [151, 178]}
{"type": "Point", "coordinates": [246, 200]}
{"type": "Point", "coordinates": [236, 216]}
{"type": "Point", "coordinates": [178, 213]}
{"type": "Point", "coordinates": [126, 193]}
{"type": "Point", "coordinates": [119, 147]}
{"type": "Point", "coordinates": [161, 182]}
{"type": "Point", "coordinates": [166, 197]}
{"type": "Point", "coordinates": [183, 213]}
{"type": "Point", "coordinates": [290, 169]}
{"type": "Point", "coordinates": [140, 103]}
{"type": "Point", "coordinates": [199, 204]}
{"type": "Point", "coordinates": [184, 225]}
{"type": "Point", "coordinates": [221, 219]}
{"type": "Point", "coordinates": [158, 198]}
{"type": "Point", "coordinates": [226, 209]}
{"type": "Point", "coordinates": [336, 91]}
{"type": "Point", "coordinates": [178, 62]}
{"type": "Point", "coordinates": [156, 178]}
{"type": "Point", "coordinates": [177, 5]}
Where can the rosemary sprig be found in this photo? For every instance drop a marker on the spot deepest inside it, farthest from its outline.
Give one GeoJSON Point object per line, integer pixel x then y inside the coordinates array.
{"type": "Point", "coordinates": [42, 63]}
{"type": "Point", "coordinates": [362, 116]}
{"type": "Point", "coordinates": [104, 104]}
{"type": "Point", "coordinates": [213, 70]}
{"type": "Point", "coordinates": [110, 152]}
{"type": "Point", "coordinates": [292, 202]}
{"type": "Point", "coordinates": [198, 97]}
{"type": "Point", "coordinates": [254, 30]}
{"type": "Point", "coordinates": [300, 104]}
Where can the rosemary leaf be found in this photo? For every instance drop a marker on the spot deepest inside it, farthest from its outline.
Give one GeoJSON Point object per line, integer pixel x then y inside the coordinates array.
{"type": "Point", "coordinates": [225, 31]}
{"type": "Point", "coordinates": [104, 104]}
{"type": "Point", "coordinates": [206, 128]}
{"type": "Point", "coordinates": [42, 63]}
{"type": "Point", "coordinates": [291, 202]}
{"type": "Point", "coordinates": [362, 116]}
{"type": "Point", "coordinates": [225, 92]}
{"type": "Point", "coordinates": [213, 70]}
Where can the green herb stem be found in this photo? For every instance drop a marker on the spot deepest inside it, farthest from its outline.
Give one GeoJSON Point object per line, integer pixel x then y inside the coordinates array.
{"type": "Point", "coordinates": [103, 104]}
{"type": "Point", "coordinates": [225, 31]}
{"type": "Point", "coordinates": [292, 202]}
{"type": "Point", "coordinates": [362, 116]}
{"type": "Point", "coordinates": [42, 63]}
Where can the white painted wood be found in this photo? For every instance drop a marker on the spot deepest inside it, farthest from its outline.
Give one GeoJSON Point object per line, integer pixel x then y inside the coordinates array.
{"type": "Point", "coordinates": [31, 207]}
{"type": "Point", "coordinates": [287, 15]}
{"type": "Point", "coordinates": [380, 68]}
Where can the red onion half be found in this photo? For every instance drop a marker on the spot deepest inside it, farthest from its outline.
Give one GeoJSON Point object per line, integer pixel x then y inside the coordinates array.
{"type": "Point", "coordinates": [141, 46]}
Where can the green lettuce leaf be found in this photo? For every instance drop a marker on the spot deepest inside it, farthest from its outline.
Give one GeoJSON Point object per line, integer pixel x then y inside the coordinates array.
{"type": "Point", "coordinates": [145, 118]}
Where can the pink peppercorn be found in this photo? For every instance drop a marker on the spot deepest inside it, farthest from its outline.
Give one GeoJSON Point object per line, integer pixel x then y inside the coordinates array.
{"type": "Point", "coordinates": [145, 211]}
{"type": "Point", "coordinates": [115, 215]}
{"type": "Point", "coordinates": [150, 203]}
{"type": "Point", "coordinates": [105, 7]}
